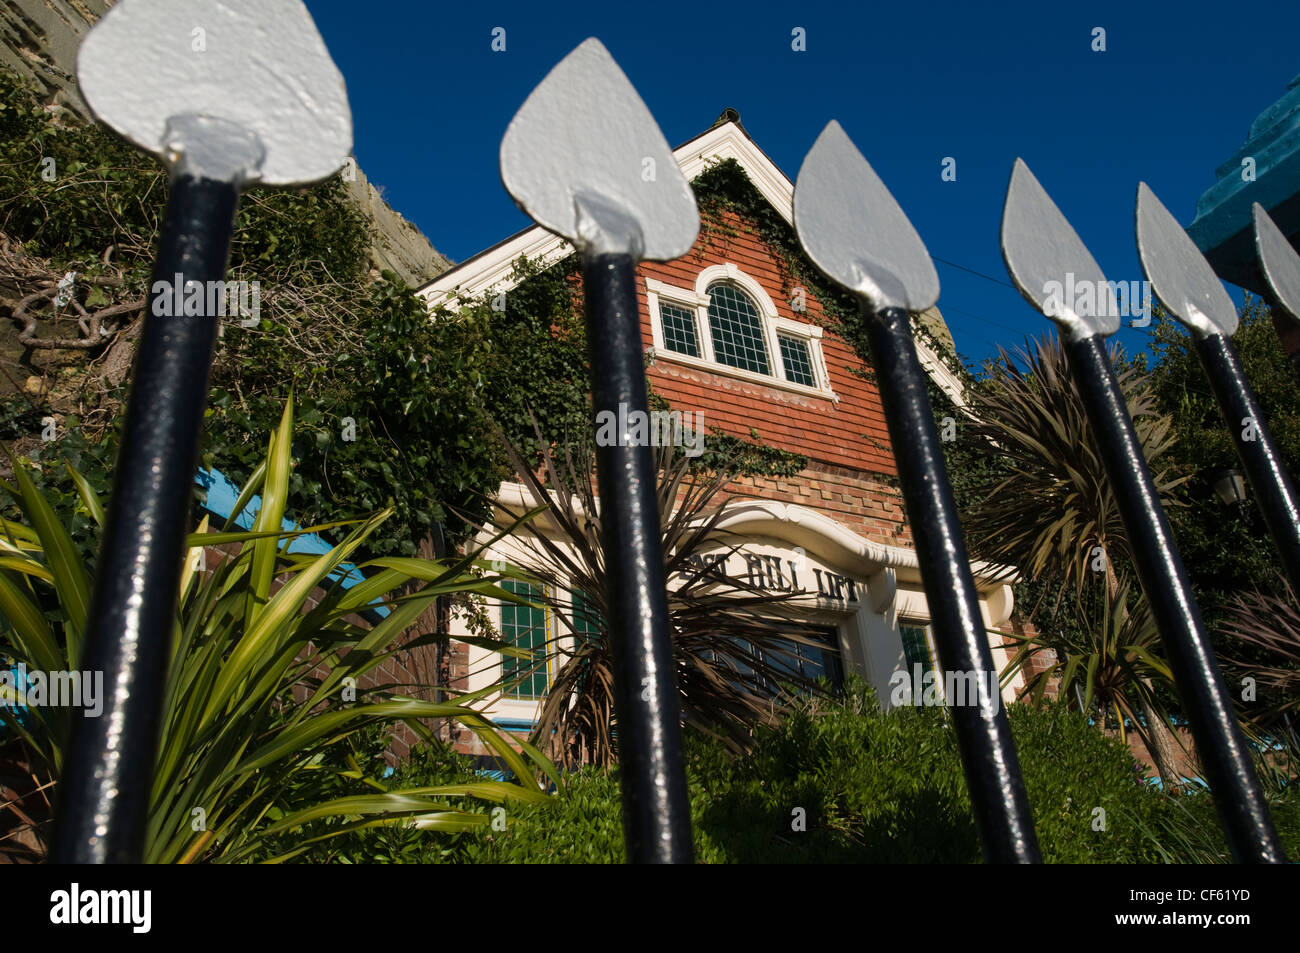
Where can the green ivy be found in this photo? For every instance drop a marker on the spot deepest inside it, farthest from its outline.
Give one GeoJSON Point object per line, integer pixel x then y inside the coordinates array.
{"type": "Point", "coordinates": [361, 349]}
{"type": "Point", "coordinates": [536, 373]}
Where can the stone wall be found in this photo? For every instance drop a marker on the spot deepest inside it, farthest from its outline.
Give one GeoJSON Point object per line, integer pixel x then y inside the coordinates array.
{"type": "Point", "coordinates": [39, 40]}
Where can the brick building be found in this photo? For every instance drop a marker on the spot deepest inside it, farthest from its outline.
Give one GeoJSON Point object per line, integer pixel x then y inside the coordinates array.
{"type": "Point", "coordinates": [724, 337]}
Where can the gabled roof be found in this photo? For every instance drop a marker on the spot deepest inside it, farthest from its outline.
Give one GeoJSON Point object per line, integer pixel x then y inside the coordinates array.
{"type": "Point", "coordinates": [490, 270]}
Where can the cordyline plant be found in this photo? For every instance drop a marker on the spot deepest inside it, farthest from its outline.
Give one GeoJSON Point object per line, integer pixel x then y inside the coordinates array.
{"type": "Point", "coordinates": [1269, 621]}
{"type": "Point", "coordinates": [1056, 506]}
{"type": "Point", "coordinates": [1055, 519]}
{"type": "Point", "coordinates": [233, 738]}
{"type": "Point", "coordinates": [734, 669]}
{"type": "Point", "coordinates": [1110, 657]}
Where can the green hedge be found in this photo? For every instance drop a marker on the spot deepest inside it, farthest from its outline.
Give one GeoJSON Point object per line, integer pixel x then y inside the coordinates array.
{"type": "Point", "coordinates": [872, 787]}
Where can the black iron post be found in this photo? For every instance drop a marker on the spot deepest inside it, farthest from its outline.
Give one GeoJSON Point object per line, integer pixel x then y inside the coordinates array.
{"type": "Point", "coordinates": [105, 790]}
{"type": "Point", "coordinates": [988, 753]}
{"type": "Point", "coordinates": [1237, 795]}
{"type": "Point", "coordinates": [656, 809]}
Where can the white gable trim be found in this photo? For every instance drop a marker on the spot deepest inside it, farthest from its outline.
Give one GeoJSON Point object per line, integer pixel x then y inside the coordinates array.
{"type": "Point", "coordinates": [490, 270]}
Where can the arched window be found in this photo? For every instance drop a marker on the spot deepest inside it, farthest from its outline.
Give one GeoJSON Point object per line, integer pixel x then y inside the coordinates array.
{"type": "Point", "coordinates": [729, 324]}
{"type": "Point", "coordinates": [736, 328]}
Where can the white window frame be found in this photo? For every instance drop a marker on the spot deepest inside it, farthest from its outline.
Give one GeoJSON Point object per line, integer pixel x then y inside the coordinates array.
{"type": "Point", "coordinates": [696, 301]}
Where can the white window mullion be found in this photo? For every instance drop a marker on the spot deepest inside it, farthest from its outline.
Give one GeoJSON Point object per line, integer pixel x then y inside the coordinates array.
{"type": "Point", "coordinates": [705, 332]}
{"type": "Point", "coordinates": [774, 348]}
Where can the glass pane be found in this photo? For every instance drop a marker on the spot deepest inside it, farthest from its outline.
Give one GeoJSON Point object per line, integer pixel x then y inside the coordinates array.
{"type": "Point", "coordinates": [788, 657]}
{"type": "Point", "coordinates": [813, 661]}
{"type": "Point", "coordinates": [679, 330]}
{"type": "Point", "coordinates": [798, 366]}
{"type": "Point", "coordinates": [587, 623]}
{"type": "Point", "coordinates": [737, 330]}
{"type": "Point", "coordinates": [525, 627]}
{"type": "Point", "coordinates": [916, 648]}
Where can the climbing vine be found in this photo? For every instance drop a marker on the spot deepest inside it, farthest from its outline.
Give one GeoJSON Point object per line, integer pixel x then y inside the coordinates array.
{"type": "Point", "coordinates": [535, 368]}
{"type": "Point", "coordinates": [383, 417]}
{"type": "Point", "coordinates": [726, 194]}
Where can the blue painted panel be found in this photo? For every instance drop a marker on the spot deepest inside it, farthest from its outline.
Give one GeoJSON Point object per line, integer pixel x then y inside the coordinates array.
{"type": "Point", "coordinates": [221, 498]}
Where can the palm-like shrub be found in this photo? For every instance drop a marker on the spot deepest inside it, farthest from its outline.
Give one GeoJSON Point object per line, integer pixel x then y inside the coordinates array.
{"type": "Point", "coordinates": [1269, 622]}
{"type": "Point", "coordinates": [1111, 656]}
{"type": "Point", "coordinates": [233, 738]}
{"type": "Point", "coordinates": [1055, 519]}
{"type": "Point", "coordinates": [1056, 504]}
{"type": "Point", "coordinates": [733, 668]}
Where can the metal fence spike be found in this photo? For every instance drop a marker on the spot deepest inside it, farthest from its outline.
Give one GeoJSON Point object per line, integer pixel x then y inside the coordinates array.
{"type": "Point", "coordinates": [1179, 274]}
{"type": "Point", "coordinates": [852, 228]}
{"type": "Point", "coordinates": [1279, 262]}
{"type": "Point", "coordinates": [226, 94]}
{"type": "Point", "coordinates": [259, 65]}
{"type": "Point", "coordinates": [1192, 292]}
{"type": "Point", "coordinates": [1033, 230]}
{"type": "Point", "coordinates": [584, 157]}
{"type": "Point", "coordinates": [854, 231]}
{"type": "Point", "coordinates": [1047, 260]}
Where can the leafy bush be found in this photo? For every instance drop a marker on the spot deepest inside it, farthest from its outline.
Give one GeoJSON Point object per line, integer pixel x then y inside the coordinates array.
{"type": "Point", "coordinates": [233, 736]}
{"type": "Point", "coordinates": [887, 788]}
{"type": "Point", "coordinates": [347, 345]}
{"type": "Point", "coordinates": [874, 787]}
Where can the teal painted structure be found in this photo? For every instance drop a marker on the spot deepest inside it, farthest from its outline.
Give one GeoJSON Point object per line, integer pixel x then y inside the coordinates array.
{"type": "Point", "coordinates": [1223, 228]}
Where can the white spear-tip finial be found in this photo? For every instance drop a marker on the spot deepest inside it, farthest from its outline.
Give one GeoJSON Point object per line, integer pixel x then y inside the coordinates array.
{"type": "Point", "coordinates": [243, 90]}
{"type": "Point", "coordinates": [584, 158]}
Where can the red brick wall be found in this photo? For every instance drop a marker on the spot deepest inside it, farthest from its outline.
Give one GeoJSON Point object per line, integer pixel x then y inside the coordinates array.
{"type": "Point", "coordinates": [850, 434]}
{"type": "Point", "coordinates": [851, 466]}
{"type": "Point", "coordinates": [859, 501]}
{"type": "Point", "coordinates": [1040, 661]}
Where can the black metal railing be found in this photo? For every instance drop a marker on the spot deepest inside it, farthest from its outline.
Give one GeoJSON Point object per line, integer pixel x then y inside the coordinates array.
{"type": "Point", "coordinates": [601, 200]}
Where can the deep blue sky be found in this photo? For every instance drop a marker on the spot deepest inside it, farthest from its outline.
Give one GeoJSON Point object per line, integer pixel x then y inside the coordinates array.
{"type": "Point", "coordinates": [1170, 99]}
